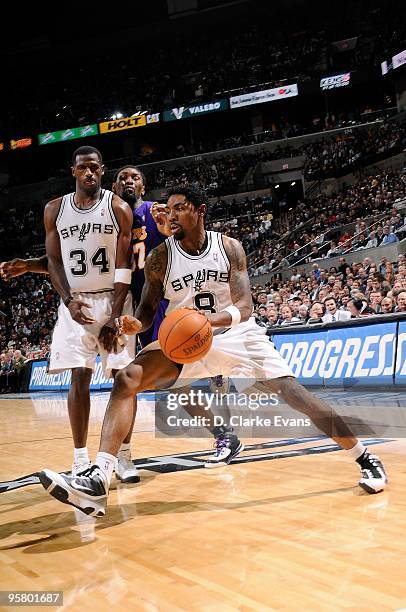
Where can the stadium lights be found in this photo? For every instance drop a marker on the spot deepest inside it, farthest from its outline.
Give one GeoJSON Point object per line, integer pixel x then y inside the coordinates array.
{"type": "Point", "coordinates": [277, 186]}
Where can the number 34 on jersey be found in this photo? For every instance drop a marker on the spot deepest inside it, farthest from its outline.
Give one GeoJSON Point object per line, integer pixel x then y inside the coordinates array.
{"type": "Point", "coordinates": [88, 239]}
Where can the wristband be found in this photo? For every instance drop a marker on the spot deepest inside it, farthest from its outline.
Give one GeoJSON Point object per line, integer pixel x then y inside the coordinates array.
{"type": "Point", "coordinates": [235, 314]}
{"type": "Point", "coordinates": [122, 275]}
{"type": "Point", "coordinates": [68, 301]}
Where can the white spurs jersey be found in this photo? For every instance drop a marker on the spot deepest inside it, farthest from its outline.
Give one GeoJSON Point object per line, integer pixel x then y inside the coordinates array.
{"type": "Point", "coordinates": [198, 281]}
{"type": "Point", "coordinates": [88, 243]}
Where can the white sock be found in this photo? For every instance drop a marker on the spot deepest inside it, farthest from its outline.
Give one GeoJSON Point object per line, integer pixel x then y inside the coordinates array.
{"type": "Point", "coordinates": [80, 455]}
{"type": "Point", "coordinates": [356, 451]}
{"type": "Point", "coordinates": [107, 464]}
{"type": "Point", "coordinates": [125, 451]}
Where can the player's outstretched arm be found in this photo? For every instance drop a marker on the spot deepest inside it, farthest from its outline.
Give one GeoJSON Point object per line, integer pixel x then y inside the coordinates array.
{"type": "Point", "coordinates": [17, 267]}
{"type": "Point", "coordinates": [239, 287]}
{"type": "Point", "coordinates": [122, 279]}
{"type": "Point", "coordinates": [55, 264]}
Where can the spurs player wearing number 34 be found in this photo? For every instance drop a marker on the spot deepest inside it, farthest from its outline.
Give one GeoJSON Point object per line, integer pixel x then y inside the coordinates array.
{"type": "Point", "coordinates": [88, 238]}
{"type": "Point", "coordinates": [88, 256]}
{"type": "Point", "coordinates": [191, 268]}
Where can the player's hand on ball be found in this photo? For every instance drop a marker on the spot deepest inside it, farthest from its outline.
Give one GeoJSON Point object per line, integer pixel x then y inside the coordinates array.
{"type": "Point", "coordinates": [75, 309]}
{"type": "Point", "coordinates": [128, 325]}
{"type": "Point", "coordinates": [203, 312]}
{"type": "Point", "coordinates": [10, 269]}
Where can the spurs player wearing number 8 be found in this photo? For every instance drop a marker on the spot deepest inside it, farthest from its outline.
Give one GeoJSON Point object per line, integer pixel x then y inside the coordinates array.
{"type": "Point", "coordinates": [150, 227]}
{"type": "Point", "coordinates": [88, 236]}
{"type": "Point", "coordinates": [194, 266]}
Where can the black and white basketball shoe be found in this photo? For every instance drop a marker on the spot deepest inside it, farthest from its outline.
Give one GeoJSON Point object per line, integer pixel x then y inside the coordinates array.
{"type": "Point", "coordinates": [86, 491]}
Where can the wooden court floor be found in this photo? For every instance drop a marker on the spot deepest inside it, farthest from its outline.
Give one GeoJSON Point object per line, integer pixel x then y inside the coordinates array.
{"type": "Point", "coordinates": [291, 533]}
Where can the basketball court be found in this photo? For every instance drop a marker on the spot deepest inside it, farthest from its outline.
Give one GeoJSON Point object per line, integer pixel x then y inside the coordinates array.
{"type": "Point", "coordinates": [284, 527]}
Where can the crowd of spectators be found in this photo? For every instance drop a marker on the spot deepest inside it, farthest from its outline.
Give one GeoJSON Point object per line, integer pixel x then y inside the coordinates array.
{"type": "Point", "coordinates": [334, 156]}
{"type": "Point", "coordinates": [322, 227]}
{"type": "Point", "coordinates": [261, 49]}
{"type": "Point", "coordinates": [216, 176]}
{"type": "Point", "coordinates": [281, 127]}
{"type": "Point", "coordinates": [327, 157]}
{"type": "Point", "coordinates": [28, 311]}
{"type": "Point", "coordinates": [362, 289]}
{"type": "Point", "coordinates": [21, 230]}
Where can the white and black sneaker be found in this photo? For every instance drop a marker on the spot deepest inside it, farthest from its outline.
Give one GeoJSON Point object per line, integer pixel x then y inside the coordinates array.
{"type": "Point", "coordinates": [374, 478]}
{"type": "Point", "coordinates": [227, 446]}
{"type": "Point", "coordinates": [126, 470]}
{"type": "Point", "coordinates": [87, 491]}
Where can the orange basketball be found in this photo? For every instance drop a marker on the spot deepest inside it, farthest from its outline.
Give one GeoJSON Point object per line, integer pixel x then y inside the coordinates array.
{"type": "Point", "coordinates": [185, 335]}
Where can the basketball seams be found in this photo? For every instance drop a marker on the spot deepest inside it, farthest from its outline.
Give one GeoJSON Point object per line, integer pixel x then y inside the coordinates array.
{"type": "Point", "coordinates": [204, 330]}
{"type": "Point", "coordinates": [190, 337]}
{"type": "Point", "coordinates": [172, 328]}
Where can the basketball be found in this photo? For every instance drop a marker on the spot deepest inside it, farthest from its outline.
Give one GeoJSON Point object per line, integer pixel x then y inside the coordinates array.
{"type": "Point", "coordinates": [185, 335]}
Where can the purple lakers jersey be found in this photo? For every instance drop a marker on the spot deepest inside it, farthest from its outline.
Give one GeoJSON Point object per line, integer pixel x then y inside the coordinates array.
{"type": "Point", "coordinates": [145, 237]}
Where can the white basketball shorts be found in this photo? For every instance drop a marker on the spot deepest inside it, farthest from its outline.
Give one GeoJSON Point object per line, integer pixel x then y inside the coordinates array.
{"type": "Point", "coordinates": [244, 353]}
{"type": "Point", "coordinates": [76, 346]}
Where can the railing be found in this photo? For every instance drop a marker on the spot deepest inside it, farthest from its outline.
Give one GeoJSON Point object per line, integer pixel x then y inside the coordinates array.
{"type": "Point", "coordinates": [312, 188]}
{"type": "Point", "coordinates": [385, 112]}
{"type": "Point", "coordinates": [323, 245]}
{"type": "Point", "coordinates": [361, 232]}
{"type": "Point", "coordinates": [284, 236]}
{"type": "Point", "coordinates": [281, 267]}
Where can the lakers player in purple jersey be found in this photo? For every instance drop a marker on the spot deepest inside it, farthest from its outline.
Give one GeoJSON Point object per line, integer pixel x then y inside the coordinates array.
{"type": "Point", "coordinates": [150, 228]}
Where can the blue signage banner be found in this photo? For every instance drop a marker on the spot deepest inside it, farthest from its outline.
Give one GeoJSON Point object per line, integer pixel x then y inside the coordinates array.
{"type": "Point", "coordinates": [367, 355]}
{"type": "Point", "coordinates": [353, 356]}
{"type": "Point", "coordinates": [302, 352]}
{"type": "Point", "coordinates": [41, 381]}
